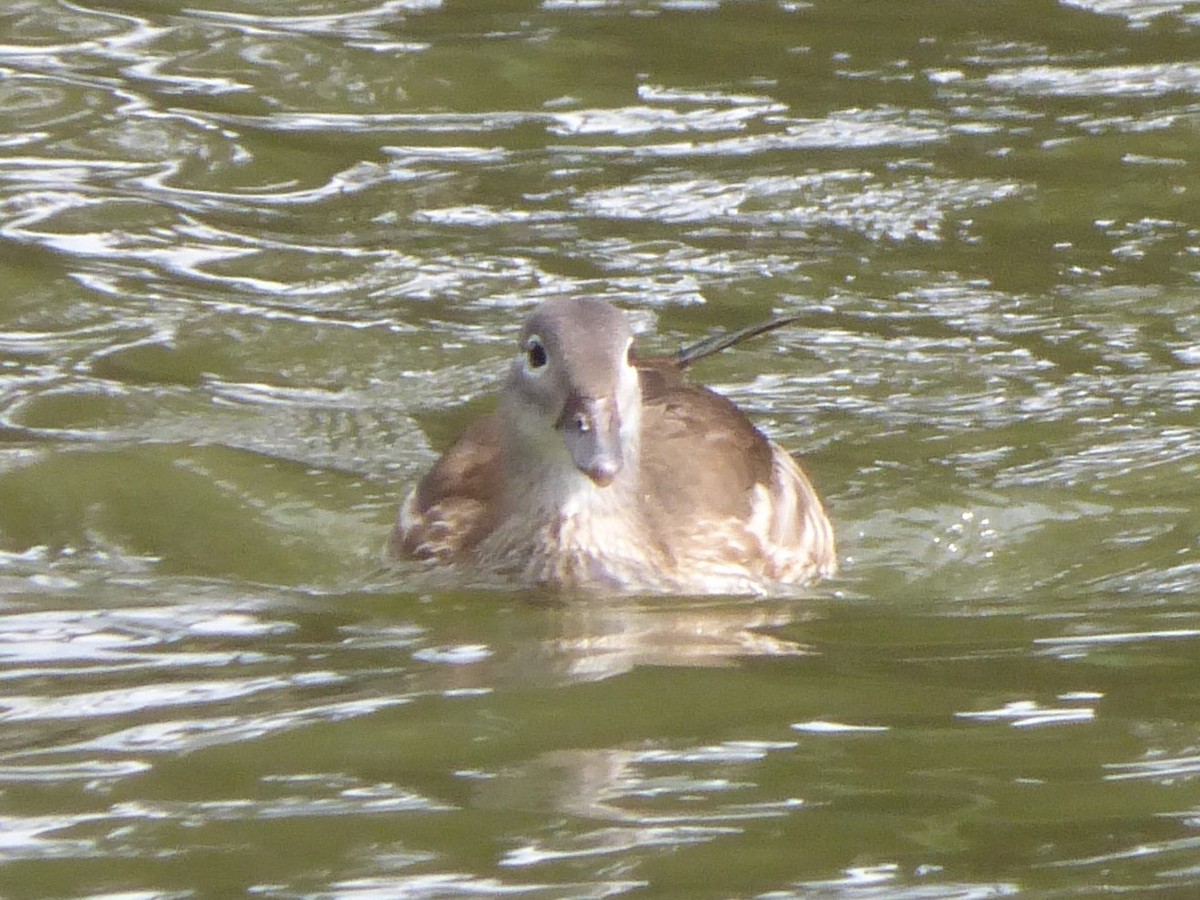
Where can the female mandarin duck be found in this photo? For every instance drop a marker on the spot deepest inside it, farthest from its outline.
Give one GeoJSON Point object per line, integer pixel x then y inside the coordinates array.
{"type": "Point", "coordinates": [600, 471]}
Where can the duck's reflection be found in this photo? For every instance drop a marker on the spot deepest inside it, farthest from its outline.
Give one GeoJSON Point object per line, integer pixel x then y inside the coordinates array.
{"type": "Point", "coordinates": [485, 645]}
{"type": "Point", "coordinates": [597, 640]}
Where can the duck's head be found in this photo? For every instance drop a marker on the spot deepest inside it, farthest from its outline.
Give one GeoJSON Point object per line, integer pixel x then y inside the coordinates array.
{"type": "Point", "coordinates": [572, 399]}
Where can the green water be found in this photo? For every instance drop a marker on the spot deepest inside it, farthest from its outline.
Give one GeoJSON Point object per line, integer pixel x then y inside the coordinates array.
{"type": "Point", "coordinates": [260, 262]}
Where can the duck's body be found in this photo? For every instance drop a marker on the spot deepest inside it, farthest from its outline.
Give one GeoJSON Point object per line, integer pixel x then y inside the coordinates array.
{"type": "Point", "coordinates": [601, 472]}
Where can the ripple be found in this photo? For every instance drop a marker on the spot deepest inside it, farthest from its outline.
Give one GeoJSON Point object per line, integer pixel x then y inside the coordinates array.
{"type": "Point", "coordinates": [128, 637]}
{"type": "Point", "coordinates": [887, 880]}
{"type": "Point", "coordinates": [420, 123]}
{"type": "Point", "coordinates": [1031, 714]}
{"type": "Point", "coordinates": [187, 735]}
{"type": "Point", "coordinates": [910, 208]}
{"type": "Point", "coordinates": [35, 106]}
{"type": "Point", "coordinates": [609, 841]}
{"type": "Point", "coordinates": [371, 23]}
{"type": "Point", "coordinates": [455, 655]}
{"type": "Point", "coordinates": [478, 215]}
{"type": "Point", "coordinates": [1164, 769]}
{"type": "Point", "coordinates": [124, 826]}
{"type": "Point", "coordinates": [1117, 637]}
{"type": "Point", "coordinates": [46, 27]}
{"type": "Point", "coordinates": [1142, 850]}
{"type": "Point", "coordinates": [621, 256]}
{"type": "Point", "coordinates": [1149, 80]}
{"type": "Point", "coordinates": [438, 885]}
{"type": "Point", "coordinates": [355, 179]}
{"type": "Point", "coordinates": [35, 837]}
{"type": "Point", "coordinates": [820, 726]}
{"type": "Point", "coordinates": [660, 93]}
{"type": "Point", "coordinates": [845, 130]}
{"type": "Point", "coordinates": [357, 800]}
{"type": "Point", "coordinates": [123, 701]}
{"type": "Point", "coordinates": [637, 120]}
{"type": "Point", "coordinates": [1139, 13]}
{"type": "Point", "coordinates": [1117, 458]}
{"type": "Point", "coordinates": [93, 771]}
{"type": "Point", "coordinates": [55, 345]}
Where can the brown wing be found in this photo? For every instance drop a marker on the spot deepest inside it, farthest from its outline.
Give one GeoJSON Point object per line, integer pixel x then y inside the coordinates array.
{"type": "Point", "coordinates": [704, 463]}
{"type": "Point", "coordinates": [701, 457]}
{"type": "Point", "coordinates": [454, 506]}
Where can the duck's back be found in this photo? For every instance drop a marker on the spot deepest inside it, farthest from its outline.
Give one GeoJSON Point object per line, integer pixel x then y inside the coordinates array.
{"type": "Point", "coordinates": [700, 456]}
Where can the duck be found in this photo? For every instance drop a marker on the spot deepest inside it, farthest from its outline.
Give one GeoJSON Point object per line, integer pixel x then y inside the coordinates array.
{"type": "Point", "coordinates": [601, 471]}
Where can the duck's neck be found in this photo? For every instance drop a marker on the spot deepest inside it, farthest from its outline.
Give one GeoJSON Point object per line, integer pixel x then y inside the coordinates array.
{"type": "Point", "coordinates": [546, 488]}
{"type": "Point", "coordinates": [562, 528]}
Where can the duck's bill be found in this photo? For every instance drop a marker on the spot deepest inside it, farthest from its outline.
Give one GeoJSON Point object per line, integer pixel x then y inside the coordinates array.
{"type": "Point", "coordinates": [591, 430]}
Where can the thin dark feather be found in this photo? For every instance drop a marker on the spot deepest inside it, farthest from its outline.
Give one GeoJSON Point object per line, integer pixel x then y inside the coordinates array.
{"type": "Point", "coordinates": [718, 342]}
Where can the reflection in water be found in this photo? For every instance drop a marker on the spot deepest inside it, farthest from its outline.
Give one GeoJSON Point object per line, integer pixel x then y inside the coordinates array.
{"type": "Point", "coordinates": [600, 639]}
{"type": "Point", "coordinates": [581, 639]}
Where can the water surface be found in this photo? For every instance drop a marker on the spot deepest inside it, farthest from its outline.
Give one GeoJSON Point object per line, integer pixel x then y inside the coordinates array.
{"type": "Point", "coordinates": [259, 262]}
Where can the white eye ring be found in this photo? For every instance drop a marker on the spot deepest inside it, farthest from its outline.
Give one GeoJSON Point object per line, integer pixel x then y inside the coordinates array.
{"type": "Point", "coordinates": [536, 356]}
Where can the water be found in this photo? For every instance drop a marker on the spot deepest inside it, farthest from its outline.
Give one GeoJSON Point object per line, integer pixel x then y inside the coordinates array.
{"type": "Point", "coordinates": [261, 261]}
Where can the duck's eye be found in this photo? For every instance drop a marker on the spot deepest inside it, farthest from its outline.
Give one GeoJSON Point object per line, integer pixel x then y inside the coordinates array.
{"type": "Point", "coordinates": [536, 354]}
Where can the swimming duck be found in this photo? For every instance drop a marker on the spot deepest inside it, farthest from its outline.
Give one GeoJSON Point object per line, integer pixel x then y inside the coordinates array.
{"type": "Point", "coordinates": [602, 471]}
